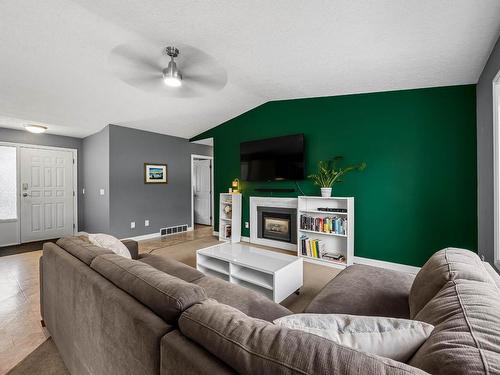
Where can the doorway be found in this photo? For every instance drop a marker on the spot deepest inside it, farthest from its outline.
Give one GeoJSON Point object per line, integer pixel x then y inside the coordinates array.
{"type": "Point", "coordinates": [201, 190]}
{"type": "Point", "coordinates": [40, 202]}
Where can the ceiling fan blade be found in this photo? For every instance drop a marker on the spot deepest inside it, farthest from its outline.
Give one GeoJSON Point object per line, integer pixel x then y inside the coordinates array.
{"type": "Point", "coordinates": [131, 56]}
{"type": "Point", "coordinates": [210, 82]}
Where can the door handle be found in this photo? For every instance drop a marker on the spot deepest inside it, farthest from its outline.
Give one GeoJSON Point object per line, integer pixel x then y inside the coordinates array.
{"type": "Point", "coordinates": [26, 195]}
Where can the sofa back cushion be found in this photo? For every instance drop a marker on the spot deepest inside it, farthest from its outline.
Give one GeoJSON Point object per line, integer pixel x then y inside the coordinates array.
{"type": "Point", "coordinates": [445, 265]}
{"type": "Point", "coordinates": [81, 248]}
{"type": "Point", "coordinates": [254, 346]}
{"type": "Point", "coordinates": [166, 295]}
{"type": "Point", "coordinates": [466, 337]}
{"type": "Point", "coordinates": [172, 267]}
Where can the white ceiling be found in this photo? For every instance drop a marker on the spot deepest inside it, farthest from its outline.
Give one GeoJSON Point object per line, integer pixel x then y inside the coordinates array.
{"type": "Point", "coordinates": [54, 55]}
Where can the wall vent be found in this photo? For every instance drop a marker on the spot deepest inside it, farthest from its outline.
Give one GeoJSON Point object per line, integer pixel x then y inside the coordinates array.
{"type": "Point", "coordinates": [173, 230]}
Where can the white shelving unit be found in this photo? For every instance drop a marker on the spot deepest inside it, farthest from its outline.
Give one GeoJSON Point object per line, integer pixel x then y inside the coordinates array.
{"type": "Point", "coordinates": [233, 218]}
{"type": "Point", "coordinates": [342, 243]}
{"type": "Point", "coordinates": [272, 274]}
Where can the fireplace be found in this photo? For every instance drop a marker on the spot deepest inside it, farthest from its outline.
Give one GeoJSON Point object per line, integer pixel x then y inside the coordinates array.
{"type": "Point", "coordinates": [277, 223]}
{"type": "Point", "coordinates": [276, 226]}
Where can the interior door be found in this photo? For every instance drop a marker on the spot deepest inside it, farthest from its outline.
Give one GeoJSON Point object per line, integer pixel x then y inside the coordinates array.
{"type": "Point", "coordinates": [202, 190]}
{"type": "Point", "coordinates": [47, 203]}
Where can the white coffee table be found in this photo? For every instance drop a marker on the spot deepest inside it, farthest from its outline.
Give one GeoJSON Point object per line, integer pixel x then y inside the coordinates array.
{"type": "Point", "coordinates": [273, 274]}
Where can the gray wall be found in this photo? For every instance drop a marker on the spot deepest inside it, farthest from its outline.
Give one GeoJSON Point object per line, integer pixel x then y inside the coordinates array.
{"type": "Point", "coordinates": [131, 199]}
{"type": "Point", "coordinates": [21, 136]}
{"type": "Point", "coordinates": [484, 96]}
{"type": "Point", "coordinates": [96, 177]}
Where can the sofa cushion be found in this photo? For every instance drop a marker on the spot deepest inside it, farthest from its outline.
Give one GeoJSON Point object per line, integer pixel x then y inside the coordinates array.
{"type": "Point", "coordinates": [445, 265]}
{"type": "Point", "coordinates": [365, 290]}
{"type": "Point", "coordinates": [172, 267]}
{"type": "Point", "coordinates": [166, 295]}
{"type": "Point", "coordinates": [246, 300]}
{"type": "Point", "coordinates": [110, 242]}
{"type": "Point", "coordinates": [393, 338]}
{"type": "Point", "coordinates": [254, 346]}
{"type": "Point", "coordinates": [81, 248]}
{"type": "Point", "coordinates": [466, 337]}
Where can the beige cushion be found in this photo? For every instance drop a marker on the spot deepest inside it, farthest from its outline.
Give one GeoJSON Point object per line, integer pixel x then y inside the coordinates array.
{"type": "Point", "coordinates": [81, 248]}
{"type": "Point", "coordinates": [466, 337]}
{"type": "Point", "coordinates": [254, 346]}
{"type": "Point", "coordinates": [393, 338]}
{"type": "Point", "coordinates": [109, 242]}
{"type": "Point", "coordinates": [165, 295]}
{"type": "Point", "coordinates": [445, 265]}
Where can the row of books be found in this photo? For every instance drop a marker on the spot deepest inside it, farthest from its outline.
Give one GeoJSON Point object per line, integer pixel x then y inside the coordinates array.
{"type": "Point", "coordinates": [328, 224]}
{"type": "Point", "coordinates": [317, 249]}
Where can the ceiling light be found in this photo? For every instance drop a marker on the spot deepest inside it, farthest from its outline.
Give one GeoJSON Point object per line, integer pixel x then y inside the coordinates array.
{"type": "Point", "coordinates": [171, 75]}
{"type": "Point", "coordinates": [35, 128]}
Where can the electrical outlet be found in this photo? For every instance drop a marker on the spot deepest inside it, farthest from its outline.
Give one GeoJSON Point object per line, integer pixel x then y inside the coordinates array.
{"type": "Point", "coordinates": [247, 225]}
{"type": "Point", "coordinates": [101, 191]}
{"type": "Point", "coordinates": [132, 225]}
{"type": "Point", "coordinates": [83, 191]}
{"type": "Point", "coordinates": [146, 223]}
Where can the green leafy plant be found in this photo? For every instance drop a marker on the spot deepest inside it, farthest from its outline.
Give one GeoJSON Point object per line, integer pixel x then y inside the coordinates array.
{"type": "Point", "coordinates": [329, 174]}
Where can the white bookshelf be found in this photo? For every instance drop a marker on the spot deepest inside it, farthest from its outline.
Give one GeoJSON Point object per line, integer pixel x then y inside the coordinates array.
{"type": "Point", "coordinates": [333, 242]}
{"type": "Point", "coordinates": [233, 218]}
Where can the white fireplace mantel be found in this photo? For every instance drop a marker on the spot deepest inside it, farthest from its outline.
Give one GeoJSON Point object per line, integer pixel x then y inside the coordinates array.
{"type": "Point", "coordinates": [269, 202]}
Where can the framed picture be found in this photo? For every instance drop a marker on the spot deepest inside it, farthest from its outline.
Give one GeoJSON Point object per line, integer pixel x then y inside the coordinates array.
{"type": "Point", "coordinates": [155, 173]}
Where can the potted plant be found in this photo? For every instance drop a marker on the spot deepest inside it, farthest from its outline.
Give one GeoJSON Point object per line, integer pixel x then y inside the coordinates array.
{"type": "Point", "coordinates": [328, 174]}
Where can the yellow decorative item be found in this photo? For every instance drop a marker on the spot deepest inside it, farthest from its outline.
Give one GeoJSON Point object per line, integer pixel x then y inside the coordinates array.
{"type": "Point", "coordinates": [236, 186]}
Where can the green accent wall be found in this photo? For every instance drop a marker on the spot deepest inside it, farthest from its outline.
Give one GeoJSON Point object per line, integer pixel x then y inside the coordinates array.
{"type": "Point", "coordinates": [418, 193]}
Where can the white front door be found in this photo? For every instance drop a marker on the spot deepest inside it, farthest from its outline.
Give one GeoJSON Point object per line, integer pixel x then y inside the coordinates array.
{"type": "Point", "coordinates": [46, 186]}
{"type": "Point", "coordinates": [202, 190]}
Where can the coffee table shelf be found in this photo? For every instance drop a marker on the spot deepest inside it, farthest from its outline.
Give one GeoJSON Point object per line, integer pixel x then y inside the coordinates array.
{"type": "Point", "coordinates": [270, 273]}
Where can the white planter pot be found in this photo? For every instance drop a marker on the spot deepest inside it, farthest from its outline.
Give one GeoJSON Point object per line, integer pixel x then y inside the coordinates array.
{"type": "Point", "coordinates": [326, 192]}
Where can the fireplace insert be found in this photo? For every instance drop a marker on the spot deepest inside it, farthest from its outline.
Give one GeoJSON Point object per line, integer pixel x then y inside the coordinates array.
{"type": "Point", "coordinates": [276, 226]}
{"type": "Point", "coordinates": [277, 223]}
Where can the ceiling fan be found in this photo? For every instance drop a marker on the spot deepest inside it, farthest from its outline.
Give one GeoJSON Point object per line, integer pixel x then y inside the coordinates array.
{"type": "Point", "coordinates": [177, 71]}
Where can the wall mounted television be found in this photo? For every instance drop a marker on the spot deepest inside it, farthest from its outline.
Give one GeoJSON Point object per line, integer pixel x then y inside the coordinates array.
{"type": "Point", "coordinates": [273, 159]}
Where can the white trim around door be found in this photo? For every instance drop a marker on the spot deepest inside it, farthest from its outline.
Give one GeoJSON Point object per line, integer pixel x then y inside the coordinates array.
{"type": "Point", "coordinates": [18, 146]}
{"type": "Point", "coordinates": [496, 169]}
{"type": "Point", "coordinates": [202, 157]}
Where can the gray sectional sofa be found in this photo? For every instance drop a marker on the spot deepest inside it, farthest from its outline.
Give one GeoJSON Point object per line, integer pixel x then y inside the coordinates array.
{"type": "Point", "coordinates": [153, 315]}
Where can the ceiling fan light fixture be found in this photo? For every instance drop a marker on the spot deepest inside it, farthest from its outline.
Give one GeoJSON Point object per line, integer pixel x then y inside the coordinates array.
{"type": "Point", "coordinates": [35, 128]}
{"type": "Point", "coordinates": [171, 75]}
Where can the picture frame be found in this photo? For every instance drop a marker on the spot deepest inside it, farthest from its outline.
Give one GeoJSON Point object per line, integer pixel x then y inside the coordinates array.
{"type": "Point", "coordinates": [155, 173]}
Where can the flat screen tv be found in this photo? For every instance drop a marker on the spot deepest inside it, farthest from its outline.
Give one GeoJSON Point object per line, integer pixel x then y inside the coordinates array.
{"type": "Point", "coordinates": [273, 159]}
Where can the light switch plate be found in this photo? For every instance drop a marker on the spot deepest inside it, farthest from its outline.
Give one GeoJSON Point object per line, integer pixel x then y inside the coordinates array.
{"type": "Point", "coordinates": [101, 191]}
{"type": "Point", "coordinates": [132, 225]}
{"type": "Point", "coordinates": [146, 223]}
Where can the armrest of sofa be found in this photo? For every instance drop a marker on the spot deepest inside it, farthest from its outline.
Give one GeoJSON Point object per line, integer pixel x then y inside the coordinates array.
{"type": "Point", "coordinates": [133, 247]}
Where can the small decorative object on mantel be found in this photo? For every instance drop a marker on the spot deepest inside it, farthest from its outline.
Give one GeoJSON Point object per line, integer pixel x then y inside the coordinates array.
{"type": "Point", "coordinates": [155, 173]}
{"type": "Point", "coordinates": [235, 186]}
{"type": "Point", "coordinates": [328, 174]}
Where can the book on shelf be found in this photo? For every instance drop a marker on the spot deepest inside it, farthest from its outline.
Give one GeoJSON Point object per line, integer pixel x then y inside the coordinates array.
{"type": "Point", "coordinates": [315, 248]}
{"type": "Point", "coordinates": [227, 230]}
{"type": "Point", "coordinates": [327, 224]}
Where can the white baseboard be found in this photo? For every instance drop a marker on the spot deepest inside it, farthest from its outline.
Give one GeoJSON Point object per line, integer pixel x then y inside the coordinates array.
{"type": "Point", "coordinates": [387, 265]}
{"type": "Point", "coordinates": [215, 233]}
{"type": "Point", "coordinates": [245, 239]}
{"type": "Point", "coordinates": [143, 237]}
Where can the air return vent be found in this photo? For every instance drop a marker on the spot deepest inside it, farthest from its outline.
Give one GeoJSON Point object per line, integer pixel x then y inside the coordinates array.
{"type": "Point", "coordinates": [173, 230]}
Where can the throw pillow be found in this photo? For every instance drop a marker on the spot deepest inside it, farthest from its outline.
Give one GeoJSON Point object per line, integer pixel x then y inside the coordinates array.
{"type": "Point", "coordinates": [393, 338]}
{"type": "Point", "coordinates": [109, 242]}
